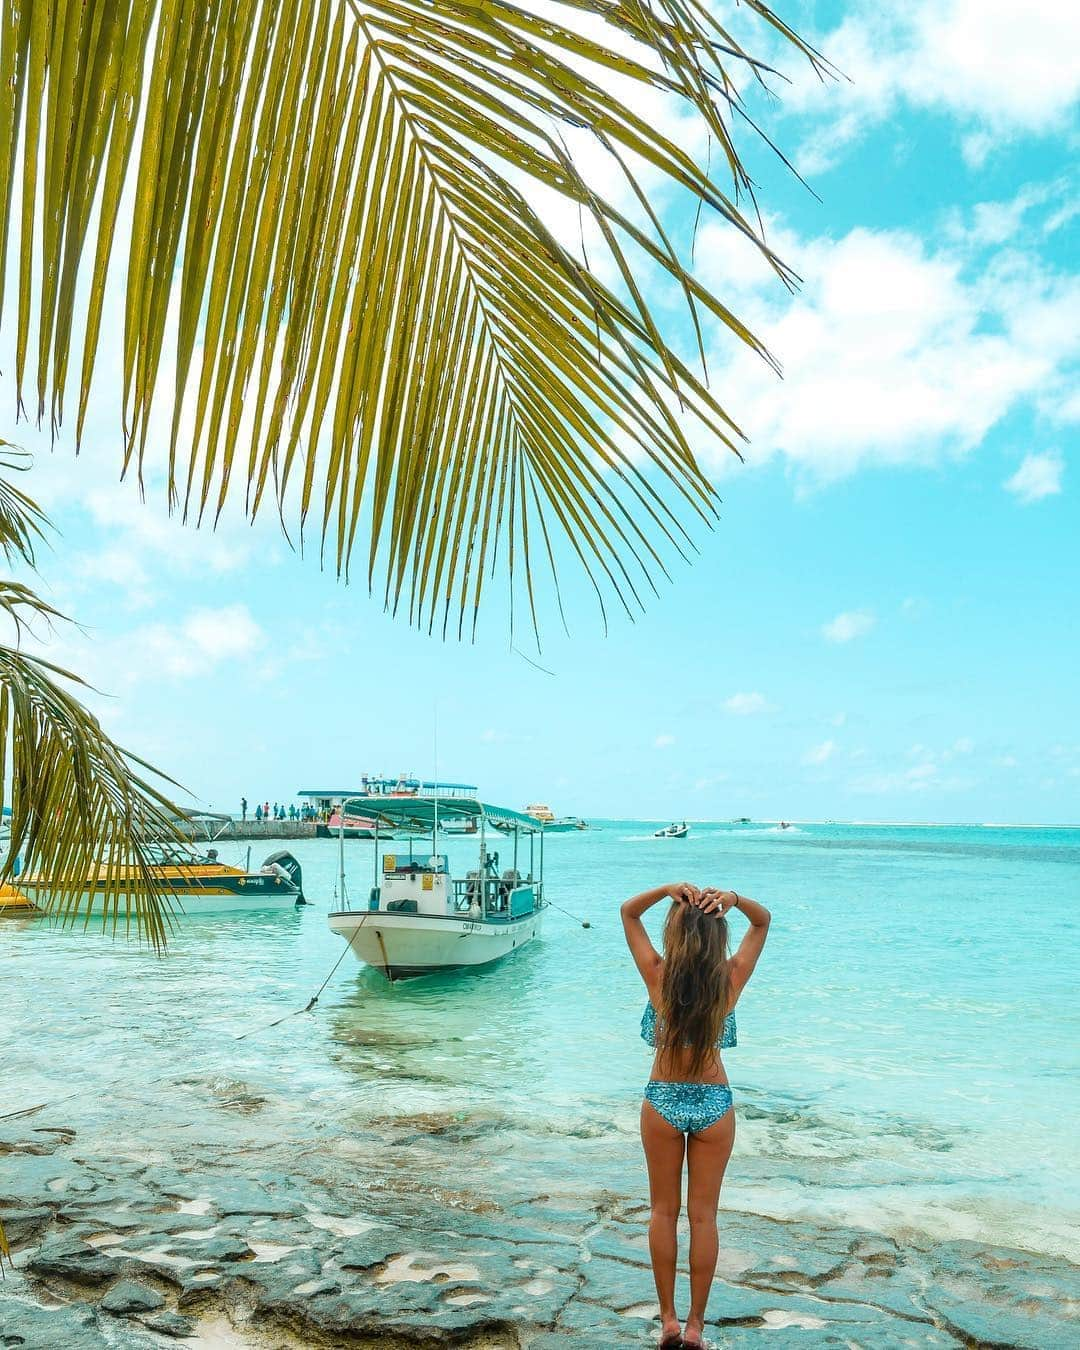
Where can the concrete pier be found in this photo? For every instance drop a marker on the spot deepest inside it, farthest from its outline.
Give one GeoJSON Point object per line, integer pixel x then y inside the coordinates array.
{"type": "Point", "coordinates": [257, 829]}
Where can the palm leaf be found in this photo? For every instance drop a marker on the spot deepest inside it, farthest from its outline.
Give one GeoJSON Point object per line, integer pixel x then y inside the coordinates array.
{"type": "Point", "coordinates": [338, 196]}
{"type": "Point", "coordinates": [81, 807]}
{"type": "Point", "coordinates": [22, 522]}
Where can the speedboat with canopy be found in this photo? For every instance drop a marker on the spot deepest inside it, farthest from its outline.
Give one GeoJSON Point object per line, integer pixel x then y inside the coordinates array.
{"type": "Point", "coordinates": [417, 918]}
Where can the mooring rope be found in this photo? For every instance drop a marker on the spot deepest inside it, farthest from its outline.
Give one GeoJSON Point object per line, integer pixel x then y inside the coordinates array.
{"type": "Point", "coordinates": [124, 1078]}
{"type": "Point", "coordinates": [254, 1031]}
{"type": "Point", "coordinates": [584, 922]}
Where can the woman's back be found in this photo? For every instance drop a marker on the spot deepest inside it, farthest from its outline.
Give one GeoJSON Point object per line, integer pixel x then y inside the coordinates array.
{"type": "Point", "coordinates": [727, 1039]}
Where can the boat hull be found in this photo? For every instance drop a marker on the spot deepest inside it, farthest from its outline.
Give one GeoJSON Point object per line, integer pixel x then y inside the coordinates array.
{"type": "Point", "coordinates": [403, 946]}
{"type": "Point", "coordinates": [221, 895]}
{"type": "Point", "coordinates": [323, 831]}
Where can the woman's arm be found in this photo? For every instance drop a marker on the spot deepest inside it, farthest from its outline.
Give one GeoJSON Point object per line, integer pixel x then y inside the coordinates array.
{"type": "Point", "coordinates": [647, 959]}
{"type": "Point", "coordinates": [750, 948]}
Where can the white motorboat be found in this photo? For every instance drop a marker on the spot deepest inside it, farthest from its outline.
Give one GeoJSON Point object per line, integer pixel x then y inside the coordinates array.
{"type": "Point", "coordinates": [417, 918]}
{"type": "Point", "coordinates": [672, 831]}
{"type": "Point", "coordinates": [554, 824]}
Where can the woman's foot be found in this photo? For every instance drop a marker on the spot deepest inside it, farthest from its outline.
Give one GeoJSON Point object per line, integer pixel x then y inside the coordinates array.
{"type": "Point", "coordinates": [693, 1334]}
{"type": "Point", "coordinates": [670, 1333]}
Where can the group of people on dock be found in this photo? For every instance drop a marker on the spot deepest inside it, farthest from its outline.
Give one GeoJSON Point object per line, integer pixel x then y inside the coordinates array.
{"type": "Point", "coordinates": [279, 811]}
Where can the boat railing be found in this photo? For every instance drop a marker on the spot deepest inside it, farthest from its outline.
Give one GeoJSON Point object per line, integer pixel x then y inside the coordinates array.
{"type": "Point", "coordinates": [490, 895]}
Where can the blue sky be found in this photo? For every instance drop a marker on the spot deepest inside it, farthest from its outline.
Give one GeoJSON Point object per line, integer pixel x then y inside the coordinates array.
{"type": "Point", "coordinates": [882, 624]}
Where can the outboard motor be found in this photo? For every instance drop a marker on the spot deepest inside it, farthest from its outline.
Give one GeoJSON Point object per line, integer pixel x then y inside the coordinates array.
{"type": "Point", "coordinates": [287, 866]}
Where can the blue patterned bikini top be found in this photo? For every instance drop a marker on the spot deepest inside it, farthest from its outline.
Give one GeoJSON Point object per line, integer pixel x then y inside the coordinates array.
{"type": "Point", "coordinates": [727, 1039]}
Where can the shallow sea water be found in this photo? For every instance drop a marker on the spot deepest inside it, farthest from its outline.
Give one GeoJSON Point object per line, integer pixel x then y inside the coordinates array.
{"type": "Point", "coordinates": [907, 1056]}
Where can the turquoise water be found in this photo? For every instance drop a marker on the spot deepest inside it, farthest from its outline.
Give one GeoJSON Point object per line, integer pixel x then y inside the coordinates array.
{"type": "Point", "coordinates": [907, 1054]}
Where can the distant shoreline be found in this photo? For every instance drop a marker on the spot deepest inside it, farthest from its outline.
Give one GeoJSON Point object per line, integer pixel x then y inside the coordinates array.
{"type": "Point", "coordinates": [287, 829]}
{"type": "Point", "coordinates": [877, 824]}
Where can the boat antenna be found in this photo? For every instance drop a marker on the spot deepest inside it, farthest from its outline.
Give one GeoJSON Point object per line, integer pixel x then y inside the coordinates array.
{"type": "Point", "coordinates": [435, 758]}
{"type": "Point", "coordinates": [341, 848]}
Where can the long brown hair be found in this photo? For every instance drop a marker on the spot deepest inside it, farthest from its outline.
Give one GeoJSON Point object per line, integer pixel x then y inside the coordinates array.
{"type": "Point", "coordinates": [694, 988]}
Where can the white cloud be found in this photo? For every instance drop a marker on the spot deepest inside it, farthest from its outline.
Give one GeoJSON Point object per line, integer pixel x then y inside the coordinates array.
{"type": "Point", "coordinates": [922, 769]}
{"type": "Point", "coordinates": [820, 754]}
{"type": "Point", "coordinates": [850, 624]}
{"type": "Point", "coordinates": [746, 704]}
{"type": "Point", "coordinates": [895, 351]}
{"type": "Point", "coordinates": [993, 223]}
{"type": "Point", "coordinates": [999, 69]}
{"type": "Point", "coordinates": [1038, 476]}
{"type": "Point", "coordinates": [917, 778]}
{"type": "Point", "coordinates": [663, 741]}
{"type": "Point", "coordinates": [205, 639]}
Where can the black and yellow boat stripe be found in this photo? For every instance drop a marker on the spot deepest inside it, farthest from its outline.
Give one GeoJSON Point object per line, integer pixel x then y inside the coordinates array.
{"type": "Point", "coordinates": [215, 885]}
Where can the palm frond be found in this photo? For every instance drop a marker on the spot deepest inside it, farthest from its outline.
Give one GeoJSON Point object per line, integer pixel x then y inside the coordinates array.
{"type": "Point", "coordinates": [22, 605]}
{"type": "Point", "coordinates": [22, 522]}
{"type": "Point", "coordinates": [82, 808]}
{"type": "Point", "coordinates": [374, 324]}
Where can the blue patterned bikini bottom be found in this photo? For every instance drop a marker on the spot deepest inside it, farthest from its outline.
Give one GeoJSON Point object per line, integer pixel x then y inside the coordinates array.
{"type": "Point", "coordinates": [690, 1107]}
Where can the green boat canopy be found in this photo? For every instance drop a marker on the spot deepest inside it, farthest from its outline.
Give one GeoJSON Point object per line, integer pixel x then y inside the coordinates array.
{"type": "Point", "coordinates": [418, 813]}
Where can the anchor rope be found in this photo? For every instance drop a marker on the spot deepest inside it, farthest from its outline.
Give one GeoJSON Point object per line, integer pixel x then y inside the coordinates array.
{"type": "Point", "coordinates": [125, 1078]}
{"type": "Point", "coordinates": [254, 1031]}
{"type": "Point", "coordinates": [584, 922]}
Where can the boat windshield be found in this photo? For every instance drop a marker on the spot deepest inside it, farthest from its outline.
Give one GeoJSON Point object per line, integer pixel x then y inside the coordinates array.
{"type": "Point", "coordinates": [174, 855]}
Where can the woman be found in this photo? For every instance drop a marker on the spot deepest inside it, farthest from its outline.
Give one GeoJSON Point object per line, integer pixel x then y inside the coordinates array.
{"type": "Point", "coordinates": [687, 1112]}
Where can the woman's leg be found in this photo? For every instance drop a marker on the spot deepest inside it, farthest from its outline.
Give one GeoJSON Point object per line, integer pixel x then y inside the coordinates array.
{"type": "Point", "coordinates": [664, 1148]}
{"type": "Point", "coordinates": [707, 1156]}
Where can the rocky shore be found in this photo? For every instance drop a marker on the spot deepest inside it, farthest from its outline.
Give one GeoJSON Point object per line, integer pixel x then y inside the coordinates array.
{"type": "Point", "coordinates": [126, 1251]}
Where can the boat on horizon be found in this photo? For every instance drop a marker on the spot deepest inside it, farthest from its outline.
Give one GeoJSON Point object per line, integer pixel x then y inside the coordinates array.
{"type": "Point", "coordinates": [672, 831]}
{"type": "Point", "coordinates": [418, 919]}
{"type": "Point", "coordinates": [554, 824]}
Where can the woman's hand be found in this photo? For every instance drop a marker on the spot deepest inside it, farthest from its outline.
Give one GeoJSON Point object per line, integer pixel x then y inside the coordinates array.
{"type": "Point", "coordinates": [684, 892]}
{"type": "Point", "coordinates": [715, 901]}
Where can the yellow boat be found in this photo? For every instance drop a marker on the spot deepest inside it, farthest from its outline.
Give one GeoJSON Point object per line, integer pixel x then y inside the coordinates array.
{"type": "Point", "coordinates": [12, 901]}
{"type": "Point", "coordinates": [200, 883]}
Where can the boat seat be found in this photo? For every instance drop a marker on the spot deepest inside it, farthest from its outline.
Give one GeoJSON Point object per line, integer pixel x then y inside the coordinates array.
{"type": "Point", "coordinates": [404, 906]}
